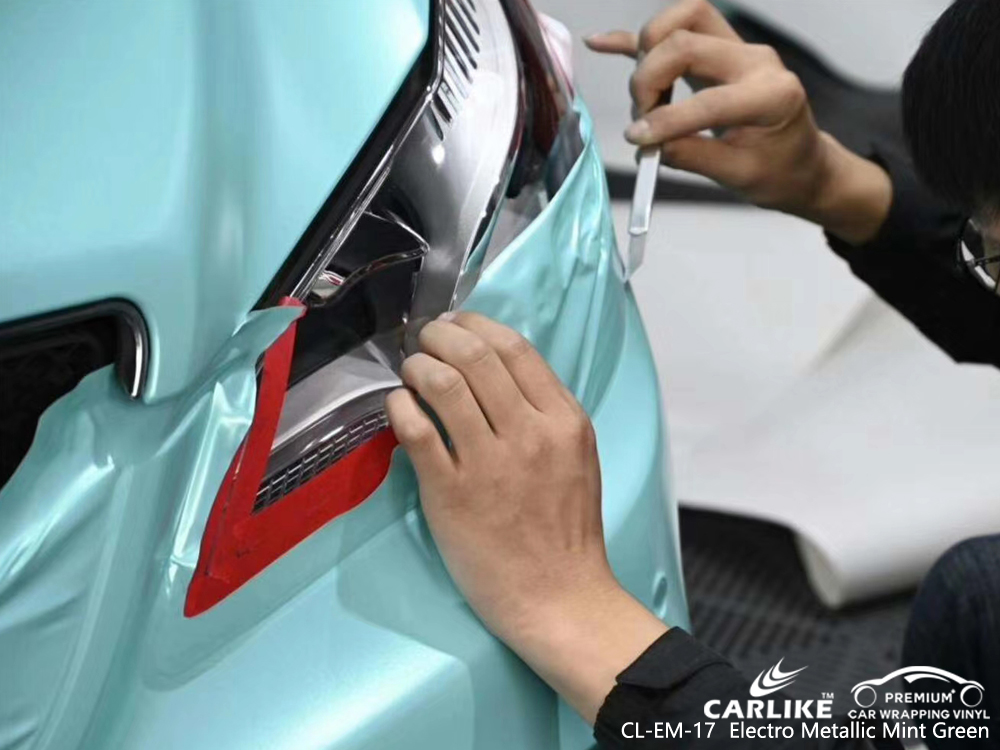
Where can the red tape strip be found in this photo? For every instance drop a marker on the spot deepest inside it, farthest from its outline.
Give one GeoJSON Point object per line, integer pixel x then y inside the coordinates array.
{"type": "Point", "coordinates": [238, 543]}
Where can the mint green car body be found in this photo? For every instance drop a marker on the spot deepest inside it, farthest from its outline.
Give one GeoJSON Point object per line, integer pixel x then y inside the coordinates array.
{"type": "Point", "coordinates": [142, 162]}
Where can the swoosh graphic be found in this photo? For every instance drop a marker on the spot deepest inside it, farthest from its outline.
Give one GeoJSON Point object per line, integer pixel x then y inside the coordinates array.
{"type": "Point", "coordinates": [772, 680]}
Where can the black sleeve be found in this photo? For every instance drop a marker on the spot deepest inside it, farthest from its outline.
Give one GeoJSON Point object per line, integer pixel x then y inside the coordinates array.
{"type": "Point", "coordinates": [662, 700]}
{"type": "Point", "coordinates": [912, 265]}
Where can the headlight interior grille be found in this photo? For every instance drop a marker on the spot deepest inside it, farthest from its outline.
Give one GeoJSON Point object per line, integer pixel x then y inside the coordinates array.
{"type": "Point", "coordinates": [323, 454]}
{"type": "Point", "coordinates": [462, 46]}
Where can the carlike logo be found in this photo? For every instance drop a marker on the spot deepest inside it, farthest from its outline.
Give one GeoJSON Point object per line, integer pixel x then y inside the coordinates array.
{"type": "Point", "coordinates": [772, 680]}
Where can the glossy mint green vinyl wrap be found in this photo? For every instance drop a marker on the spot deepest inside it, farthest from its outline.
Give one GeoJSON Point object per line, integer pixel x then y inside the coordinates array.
{"type": "Point", "coordinates": [87, 522]}
{"type": "Point", "coordinates": [172, 153]}
{"type": "Point", "coordinates": [356, 637]}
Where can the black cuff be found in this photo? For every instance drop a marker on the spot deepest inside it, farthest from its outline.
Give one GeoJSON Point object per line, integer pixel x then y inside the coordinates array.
{"type": "Point", "coordinates": [664, 679]}
{"type": "Point", "coordinates": [917, 219]}
{"type": "Point", "coordinates": [669, 661]}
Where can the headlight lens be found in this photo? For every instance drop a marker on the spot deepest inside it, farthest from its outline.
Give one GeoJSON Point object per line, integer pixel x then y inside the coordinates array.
{"type": "Point", "coordinates": [493, 144]}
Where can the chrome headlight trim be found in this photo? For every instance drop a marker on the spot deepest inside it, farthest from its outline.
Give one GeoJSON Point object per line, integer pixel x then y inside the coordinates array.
{"type": "Point", "coordinates": [457, 163]}
{"type": "Point", "coordinates": [381, 171]}
{"type": "Point", "coordinates": [349, 199]}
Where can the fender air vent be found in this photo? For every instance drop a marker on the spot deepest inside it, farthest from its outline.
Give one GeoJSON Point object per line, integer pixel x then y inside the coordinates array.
{"type": "Point", "coordinates": [45, 357]}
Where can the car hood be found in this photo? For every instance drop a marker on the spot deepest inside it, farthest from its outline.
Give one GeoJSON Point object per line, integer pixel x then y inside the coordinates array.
{"type": "Point", "coordinates": [172, 153]}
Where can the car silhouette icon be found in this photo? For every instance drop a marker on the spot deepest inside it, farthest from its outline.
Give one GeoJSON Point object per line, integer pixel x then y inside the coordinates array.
{"type": "Point", "coordinates": [971, 693]}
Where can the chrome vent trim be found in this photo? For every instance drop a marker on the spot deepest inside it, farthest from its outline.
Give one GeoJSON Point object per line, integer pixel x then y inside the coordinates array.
{"type": "Point", "coordinates": [133, 351]}
{"type": "Point", "coordinates": [461, 49]}
{"type": "Point", "coordinates": [324, 454]}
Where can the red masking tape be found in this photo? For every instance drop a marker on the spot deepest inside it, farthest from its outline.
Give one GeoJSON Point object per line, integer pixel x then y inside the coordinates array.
{"type": "Point", "coordinates": [238, 543]}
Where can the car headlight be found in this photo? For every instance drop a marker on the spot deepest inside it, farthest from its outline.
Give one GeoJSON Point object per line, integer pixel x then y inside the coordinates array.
{"type": "Point", "coordinates": [476, 143]}
{"type": "Point", "coordinates": [494, 139]}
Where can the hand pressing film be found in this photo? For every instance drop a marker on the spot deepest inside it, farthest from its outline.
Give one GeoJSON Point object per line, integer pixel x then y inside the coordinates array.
{"type": "Point", "coordinates": [515, 504]}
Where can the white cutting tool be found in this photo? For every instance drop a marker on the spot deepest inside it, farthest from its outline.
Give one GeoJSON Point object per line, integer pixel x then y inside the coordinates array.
{"type": "Point", "coordinates": [642, 200]}
{"type": "Point", "coordinates": [642, 207]}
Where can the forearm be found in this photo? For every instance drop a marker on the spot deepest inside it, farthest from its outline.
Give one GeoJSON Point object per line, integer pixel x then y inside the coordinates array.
{"type": "Point", "coordinates": [854, 196]}
{"type": "Point", "coordinates": [579, 643]}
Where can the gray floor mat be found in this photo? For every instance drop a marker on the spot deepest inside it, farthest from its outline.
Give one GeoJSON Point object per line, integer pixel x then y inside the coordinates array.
{"type": "Point", "coordinates": [750, 600]}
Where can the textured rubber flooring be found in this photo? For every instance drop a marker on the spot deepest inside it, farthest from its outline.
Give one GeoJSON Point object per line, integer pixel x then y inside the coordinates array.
{"type": "Point", "coordinates": [750, 600]}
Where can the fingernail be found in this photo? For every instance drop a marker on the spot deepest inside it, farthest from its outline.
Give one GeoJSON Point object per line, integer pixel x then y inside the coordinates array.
{"type": "Point", "coordinates": [638, 131]}
{"type": "Point", "coordinates": [448, 317]}
{"type": "Point", "coordinates": [594, 37]}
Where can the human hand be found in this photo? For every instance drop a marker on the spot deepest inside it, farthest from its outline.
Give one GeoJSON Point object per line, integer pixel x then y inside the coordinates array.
{"type": "Point", "coordinates": [770, 149]}
{"type": "Point", "coordinates": [515, 504]}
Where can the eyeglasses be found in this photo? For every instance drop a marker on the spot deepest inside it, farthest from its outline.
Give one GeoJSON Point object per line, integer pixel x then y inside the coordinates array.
{"type": "Point", "coordinates": [979, 254]}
